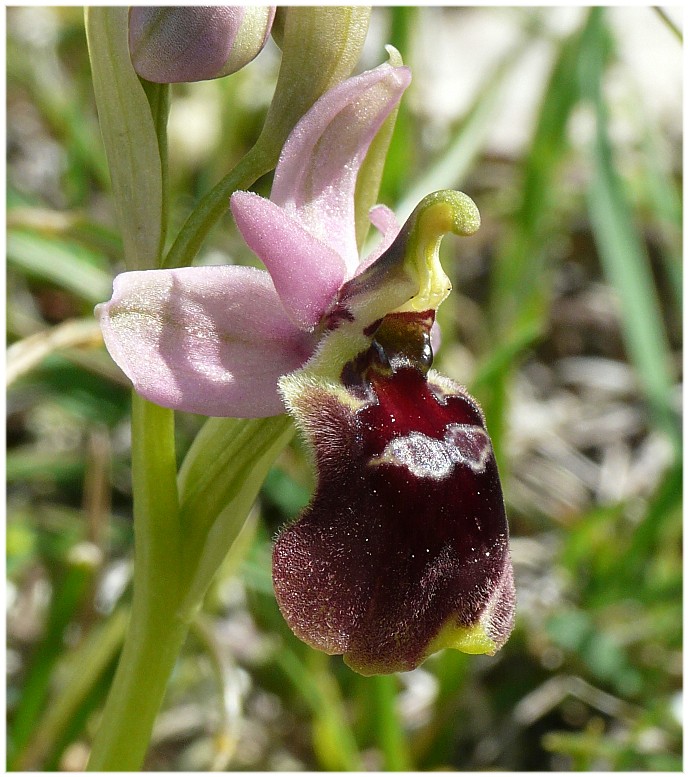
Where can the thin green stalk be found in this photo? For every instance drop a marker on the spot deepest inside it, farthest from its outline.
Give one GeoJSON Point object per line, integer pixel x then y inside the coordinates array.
{"type": "Point", "coordinates": [133, 117]}
{"type": "Point", "coordinates": [521, 285]}
{"type": "Point", "coordinates": [158, 96]}
{"type": "Point", "coordinates": [669, 22]}
{"type": "Point", "coordinates": [451, 167]}
{"type": "Point", "coordinates": [334, 741]}
{"type": "Point", "coordinates": [213, 206]}
{"type": "Point", "coordinates": [156, 632]}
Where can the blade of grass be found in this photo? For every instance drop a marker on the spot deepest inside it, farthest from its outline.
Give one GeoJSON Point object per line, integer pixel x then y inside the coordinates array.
{"type": "Point", "coordinates": [505, 353]}
{"type": "Point", "coordinates": [66, 264]}
{"type": "Point", "coordinates": [26, 354]}
{"type": "Point", "coordinates": [519, 294]}
{"type": "Point", "coordinates": [664, 200]}
{"type": "Point", "coordinates": [333, 739]}
{"type": "Point", "coordinates": [84, 667]}
{"type": "Point", "coordinates": [622, 252]}
{"type": "Point", "coordinates": [521, 280]}
{"type": "Point", "coordinates": [670, 23]}
{"type": "Point", "coordinates": [66, 225]}
{"type": "Point", "coordinates": [452, 165]}
{"type": "Point", "coordinates": [435, 743]}
{"type": "Point", "coordinates": [69, 587]}
{"type": "Point", "coordinates": [60, 106]}
{"type": "Point", "coordinates": [29, 464]}
{"type": "Point", "coordinates": [390, 733]}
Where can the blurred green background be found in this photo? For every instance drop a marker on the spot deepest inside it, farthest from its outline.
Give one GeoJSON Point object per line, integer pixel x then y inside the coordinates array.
{"type": "Point", "coordinates": [565, 126]}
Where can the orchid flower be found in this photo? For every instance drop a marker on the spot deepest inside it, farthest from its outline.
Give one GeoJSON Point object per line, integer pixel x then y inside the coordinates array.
{"type": "Point", "coordinates": [403, 549]}
{"type": "Point", "coordinates": [215, 340]}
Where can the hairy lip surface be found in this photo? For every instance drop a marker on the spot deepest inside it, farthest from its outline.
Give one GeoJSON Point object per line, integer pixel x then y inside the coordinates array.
{"type": "Point", "coordinates": [385, 557]}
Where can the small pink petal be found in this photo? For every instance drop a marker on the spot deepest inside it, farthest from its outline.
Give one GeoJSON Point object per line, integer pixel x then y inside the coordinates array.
{"type": "Point", "coordinates": [207, 340]}
{"type": "Point", "coordinates": [315, 178]}
{"type": "Point", "coordinates": [384, 220]}
{"type": "Point", "coordinates": [306, 272]}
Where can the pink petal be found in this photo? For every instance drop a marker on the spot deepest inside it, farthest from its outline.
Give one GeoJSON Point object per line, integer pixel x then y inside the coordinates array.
{"type": "Point", "coordinates": [208, 340]}
{"type": "Point", "coordinates": [315, 178]}
{"type": "Point", "coordinates": [384, 220]}
{"type": "Point", "coordinates": [306, 272]}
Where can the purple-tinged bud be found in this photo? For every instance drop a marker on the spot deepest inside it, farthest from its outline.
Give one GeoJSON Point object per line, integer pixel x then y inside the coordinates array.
{"type": "Point", "coordinates": [171, 44]}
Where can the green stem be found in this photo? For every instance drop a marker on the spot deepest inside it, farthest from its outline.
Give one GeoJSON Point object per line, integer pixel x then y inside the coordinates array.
{"type": "Point", "coordinates": [158, 96]}
{"type": "Point", "coordinates": [390, 733]}
{"type": "Point", "coordinates": [156, 632]}
{"type": "Point", "coordinates": [214, 205]}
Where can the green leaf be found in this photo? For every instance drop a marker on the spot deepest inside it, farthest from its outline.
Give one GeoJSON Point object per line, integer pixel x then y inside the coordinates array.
{"type": "Point", "coordinates": [64, 263]}
{"type": "Point", "coordinates": [129, 135]}
{"type": "Point", "coordinates": [218, 482]}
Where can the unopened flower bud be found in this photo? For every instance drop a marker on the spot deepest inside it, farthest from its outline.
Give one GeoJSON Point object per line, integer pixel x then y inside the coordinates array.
{"type": "Point", "coordinates": [194, 43]}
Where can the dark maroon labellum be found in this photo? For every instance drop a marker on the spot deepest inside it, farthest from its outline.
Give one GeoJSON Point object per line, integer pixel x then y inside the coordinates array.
{"type": "Point", "coordinates": [406, 535]}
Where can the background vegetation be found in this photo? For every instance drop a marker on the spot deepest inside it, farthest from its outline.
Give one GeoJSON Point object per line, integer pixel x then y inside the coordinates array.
{"type": "Point", "coordinates": [565, 323]}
